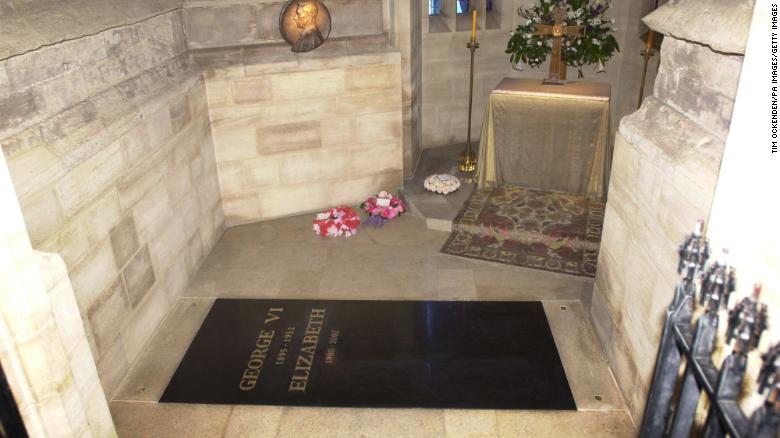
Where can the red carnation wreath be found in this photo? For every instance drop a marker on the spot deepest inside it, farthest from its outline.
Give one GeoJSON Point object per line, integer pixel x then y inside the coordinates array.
{"type": "Point", "coordinates": [335, 222]}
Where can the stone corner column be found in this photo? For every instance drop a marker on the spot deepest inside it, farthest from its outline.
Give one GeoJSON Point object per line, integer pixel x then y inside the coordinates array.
{"type": "Point", "coordinates": [665, 167]}
{"type": "Point", "coordinates": [44, 350]}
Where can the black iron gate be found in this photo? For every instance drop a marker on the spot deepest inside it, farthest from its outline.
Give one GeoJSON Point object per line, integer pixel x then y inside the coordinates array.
{"type": "Point", "coordinates": [673, 400]}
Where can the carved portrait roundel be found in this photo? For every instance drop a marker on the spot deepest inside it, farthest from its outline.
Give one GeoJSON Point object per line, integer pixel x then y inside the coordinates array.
{"type": "Point", "coordinates": [304, 24]}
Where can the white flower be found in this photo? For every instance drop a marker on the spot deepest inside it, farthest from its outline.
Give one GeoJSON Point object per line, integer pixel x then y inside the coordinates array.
{"type": "Point", "coordinates": [512, 33]}
{"type": "Point", "coordinates": [601, 68]}
{"type": "Point", "coordinates": [594, 41]}
{"type": "Point", "coordinates": [568, 43]}
{"type": "Point", "coordinates": [528, 36]}
{"type": "Point", "coordinates": [612, 20]}
{"type": "Point", "coordinates": [528, 23]}
{"type": "Point", "coordinates": [538, 43]}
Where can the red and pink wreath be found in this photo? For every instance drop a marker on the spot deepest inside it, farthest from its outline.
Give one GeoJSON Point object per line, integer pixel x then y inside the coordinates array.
{"type": "Point", "coordinates": [336, 222]}
{"type": "Point", "coordinates": [383, 207]}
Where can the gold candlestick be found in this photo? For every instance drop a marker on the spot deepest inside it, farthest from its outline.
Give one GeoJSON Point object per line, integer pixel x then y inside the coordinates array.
{"type": "Point", "coordinates": [467, 160]}
{"type": "Point", "coordinates": [646, 53]}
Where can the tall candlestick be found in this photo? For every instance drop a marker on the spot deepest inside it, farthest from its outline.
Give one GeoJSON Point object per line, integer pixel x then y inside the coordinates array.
{"type": "Point", "coordinates": [646, 53]}
{"type": "Point", "coordinates": [473, 25]}
{"type": "Point", "coordinates": [467, 160]}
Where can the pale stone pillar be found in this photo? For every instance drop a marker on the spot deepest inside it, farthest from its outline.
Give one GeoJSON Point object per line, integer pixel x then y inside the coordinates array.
{"type": "Point", "coordinates": [43, 347]}
{"type": "Point", "coordinates": [406, 36]}
{"type": "Point", "coordinates": [665, 168]}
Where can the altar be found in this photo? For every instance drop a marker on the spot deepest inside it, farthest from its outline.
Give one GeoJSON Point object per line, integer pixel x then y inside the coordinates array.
{"type": "Point", "coordinates": [548, 137]}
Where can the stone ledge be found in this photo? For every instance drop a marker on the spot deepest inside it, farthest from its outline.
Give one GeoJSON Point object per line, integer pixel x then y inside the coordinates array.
{"type": "Point", "coordinates": [667, 136]}
{"type": "Point", "coordinates": [36, 27]}
{"type": "Point", "coordinates": [694, 20]}
{"type": "Point", "coordinates": [688, 82]}
{"type": "Point", "coordinates": [224, 23]}
{"type": "Point", "coordinates": [271, 58]}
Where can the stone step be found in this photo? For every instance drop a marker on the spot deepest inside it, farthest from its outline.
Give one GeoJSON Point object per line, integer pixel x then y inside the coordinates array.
{"type": "Point", "coordinates": [437, 211]}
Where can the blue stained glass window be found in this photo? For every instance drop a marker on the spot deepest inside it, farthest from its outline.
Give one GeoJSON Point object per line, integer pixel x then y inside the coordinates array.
{"type": "Point", "coordinates": [434, 7]}
{"type": "Point", "coordinates": [463, 7]}
{"type": "Point", "coordinates": [489, 6]}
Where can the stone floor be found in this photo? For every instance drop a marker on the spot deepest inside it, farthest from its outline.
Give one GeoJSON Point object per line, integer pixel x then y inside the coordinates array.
{"type": "Point", "coordinates": [283, 258]}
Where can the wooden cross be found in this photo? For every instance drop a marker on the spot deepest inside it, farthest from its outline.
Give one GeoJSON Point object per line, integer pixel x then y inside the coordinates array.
{"type": "Point", "coordinates": [557, 73]}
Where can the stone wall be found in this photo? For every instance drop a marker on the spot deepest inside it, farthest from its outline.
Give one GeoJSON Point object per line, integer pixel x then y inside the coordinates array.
{"type": "Point", "coordinates": [445, 70]}
{"type": "Point", "coordinates": [665, 169]}
{"type": "Point", "coordinates": [108, 143]}
{"type": "Point", "coordinates": [222, 23]}
{"type": "Point", "coordinates": [298, 133]}
{"type": "Point", "coordinates": [32, 24]}
{"type": "Point", "coordinates": [43, 347]}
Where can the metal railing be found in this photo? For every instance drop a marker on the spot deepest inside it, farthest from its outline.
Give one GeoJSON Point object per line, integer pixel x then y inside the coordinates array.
{"type": "Point", "coordinates": [674, 398]}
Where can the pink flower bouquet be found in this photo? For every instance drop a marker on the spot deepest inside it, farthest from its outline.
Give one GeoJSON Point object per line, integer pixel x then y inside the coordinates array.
{"type": "Point", "coordinates": [383, 207]}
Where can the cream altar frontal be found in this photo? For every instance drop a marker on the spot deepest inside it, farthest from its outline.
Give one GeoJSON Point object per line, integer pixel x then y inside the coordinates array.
{"type": "Point", "coordinates": [549, 137]}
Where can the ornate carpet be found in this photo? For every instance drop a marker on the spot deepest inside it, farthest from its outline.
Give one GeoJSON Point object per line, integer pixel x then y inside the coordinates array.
{"type": "Point", "coordinates": [537, 229]}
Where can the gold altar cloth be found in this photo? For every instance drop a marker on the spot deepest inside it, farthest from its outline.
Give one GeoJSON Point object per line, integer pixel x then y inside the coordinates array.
{"type": "Point", "coordinates": [548, 137]}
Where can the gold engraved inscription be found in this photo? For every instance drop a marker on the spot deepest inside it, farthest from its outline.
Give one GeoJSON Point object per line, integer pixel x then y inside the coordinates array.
{"type": "Point", "coordinates": [303, 364]}
{"type": "Point", "coordinates": [330, 355]}
{"type": "Point", "coordinates": [258, 356]}
{"type": "Point", "coordinates": [256, 360]}
{"type": "Point", "coordinates": [274, 313]}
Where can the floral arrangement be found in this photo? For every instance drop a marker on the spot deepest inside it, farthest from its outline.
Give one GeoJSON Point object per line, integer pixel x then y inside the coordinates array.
{"type": "Point", "coordinates": [336, 222]}
{"type": "Point", "coordinates": [443, 183]}
{"type": "Point", "coordinates": [594, 44]}
{"type": "Point", "coordinates": [383, 207]}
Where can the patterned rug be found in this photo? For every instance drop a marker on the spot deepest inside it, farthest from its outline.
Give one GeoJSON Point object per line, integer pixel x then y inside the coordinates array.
{"type": "Point", "coordinates": [537, 229]}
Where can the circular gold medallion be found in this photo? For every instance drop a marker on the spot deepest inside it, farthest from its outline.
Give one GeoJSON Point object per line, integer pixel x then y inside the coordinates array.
{"type": "Point", "coordinates": [557, 30]}
{"type": "Point", "coordinates": [304, 24]}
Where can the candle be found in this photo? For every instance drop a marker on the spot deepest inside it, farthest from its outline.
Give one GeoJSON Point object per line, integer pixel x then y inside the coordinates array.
{"type": "Point", "coordinates": [649, 40]}
{"type": "Point", "coordinates": [473, 25]}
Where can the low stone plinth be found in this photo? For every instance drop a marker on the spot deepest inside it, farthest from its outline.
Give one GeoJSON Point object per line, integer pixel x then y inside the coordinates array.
{"type": "Point", "coordinates": [438, 211]}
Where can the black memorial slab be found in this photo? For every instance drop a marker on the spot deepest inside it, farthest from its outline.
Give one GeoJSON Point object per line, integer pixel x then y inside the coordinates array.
{"type": "Point", "coordinates": [437, 354]}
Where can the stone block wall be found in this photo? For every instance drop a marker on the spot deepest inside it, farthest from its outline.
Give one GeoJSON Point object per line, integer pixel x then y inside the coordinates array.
{"type": "Point", "coordinates": [445, 83]}
{"type": "Point", "coordinates": [32, 24]}
{"type": "Point", "coordinates": [666, 164]}
{"type": "Point", "coordinates": [223, 23]}
{"type": "Point", "coordinates": [108, 143]}
{"type": "Point", "coordinates": [294, 133]}
{"type": "Point", "coordinates": [45, 353]}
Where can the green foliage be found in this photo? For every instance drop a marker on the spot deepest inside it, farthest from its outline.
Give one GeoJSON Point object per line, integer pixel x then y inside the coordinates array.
{"type": "Point", "coordinates": [594, 44]}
